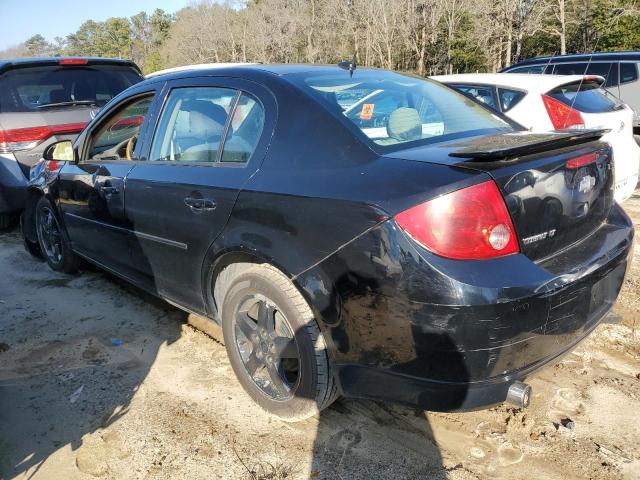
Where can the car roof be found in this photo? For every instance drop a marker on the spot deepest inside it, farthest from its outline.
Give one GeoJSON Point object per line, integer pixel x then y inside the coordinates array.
{"type": "Point", "coordinates": [7, 63]}
{"type": "Point", "coordinates": [597, 56]}
{"type": "Point", "coordinates": [518, 81]}
{"type": "Point", "coordinates": [248, 69]}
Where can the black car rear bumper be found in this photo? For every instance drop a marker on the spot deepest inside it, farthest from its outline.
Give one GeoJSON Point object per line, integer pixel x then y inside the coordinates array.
{"type": "Point", "coordinates": [13, 185]}
{"type": "Point", "coordinates": [447, 336]}
{"type": "Point", "coordinates": [358, 381]}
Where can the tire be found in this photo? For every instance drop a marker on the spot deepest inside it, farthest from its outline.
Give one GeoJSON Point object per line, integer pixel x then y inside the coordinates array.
{"type": "Point", "coordinates": [53, 239]}
{"type": "Point", "coordinates": [294, 348]}
{"type": "Point", "coordinates": [33, 248]}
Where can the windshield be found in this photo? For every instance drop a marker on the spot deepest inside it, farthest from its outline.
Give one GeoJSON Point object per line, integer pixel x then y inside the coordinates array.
{"type": "Point", "coordinates": [395, 111]}
{"type": "Point", "coordinates": [29, 89]}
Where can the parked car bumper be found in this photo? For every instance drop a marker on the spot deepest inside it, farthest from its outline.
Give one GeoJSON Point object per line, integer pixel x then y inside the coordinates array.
{"type": "Point", "coordinates": [448, 338]}
{"type": "Point", "coordinates": [13, 185]}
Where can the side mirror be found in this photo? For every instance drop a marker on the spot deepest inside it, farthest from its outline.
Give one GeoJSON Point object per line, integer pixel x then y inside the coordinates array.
{"type": "Point", "coordinates": [61, 151]}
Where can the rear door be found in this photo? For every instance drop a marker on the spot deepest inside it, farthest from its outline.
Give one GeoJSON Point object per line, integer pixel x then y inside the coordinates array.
{"type": "Point", "coordinates": [92, 192]}
{"type": "Point", "coordinates": [210, 137]}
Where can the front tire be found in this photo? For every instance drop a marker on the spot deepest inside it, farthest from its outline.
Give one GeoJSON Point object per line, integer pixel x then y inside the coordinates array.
{"type": "Point", "coordinates": [33, 248]}
{"type": "Point", "coordinates": [53, 239]}
{"type": "Point", "coordinates": [275, 346]}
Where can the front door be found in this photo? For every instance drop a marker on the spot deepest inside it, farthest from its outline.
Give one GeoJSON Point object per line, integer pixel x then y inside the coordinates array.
{"type": "Point", "coordinates": [208, 141]}
{"type": "Point", "coordinates": [92, 192]}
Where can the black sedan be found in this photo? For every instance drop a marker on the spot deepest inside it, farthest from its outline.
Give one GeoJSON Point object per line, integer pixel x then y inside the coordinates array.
{"type": "Point", "coordinates": [361, 233]}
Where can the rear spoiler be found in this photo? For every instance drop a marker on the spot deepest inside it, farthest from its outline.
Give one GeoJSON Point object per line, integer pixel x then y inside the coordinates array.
{"type": "Point", "coordinates": [515, 144]}
{"type": "Point", "coordinates": [586, 79]}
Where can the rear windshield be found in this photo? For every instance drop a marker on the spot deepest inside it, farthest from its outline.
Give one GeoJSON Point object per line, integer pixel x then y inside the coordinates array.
{"type": "Point", "coordinates": [29, 89]}
{"type": "Point", "coordinates": [394, 111]}
{"type": "Point", "coordinates": [586, 96]}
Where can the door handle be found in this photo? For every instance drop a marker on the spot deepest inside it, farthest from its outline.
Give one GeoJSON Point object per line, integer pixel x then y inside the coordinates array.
{"type": "Point", "coordinates": [198, 205]}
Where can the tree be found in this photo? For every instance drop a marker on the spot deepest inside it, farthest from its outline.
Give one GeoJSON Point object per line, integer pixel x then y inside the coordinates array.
{"type": "Point", "coordinates": [37, 45]}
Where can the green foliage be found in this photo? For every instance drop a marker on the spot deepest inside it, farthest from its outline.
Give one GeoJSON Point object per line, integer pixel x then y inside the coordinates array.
{"type": "Point", "coordinates": [37, 45]}
{"type": "Point", "coordinates": [471, 37]}
{"type": "Point", "coordinates": [153, 63]}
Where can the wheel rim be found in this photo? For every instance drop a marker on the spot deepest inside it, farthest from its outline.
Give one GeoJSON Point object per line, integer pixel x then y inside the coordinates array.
{"type": "Point", "coordinates": [267, 347]}
{"type": "Point", "coordinates": [50, 236]}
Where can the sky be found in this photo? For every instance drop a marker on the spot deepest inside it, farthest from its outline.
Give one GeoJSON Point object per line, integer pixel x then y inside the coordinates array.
{"type": "Point", "coordinates": [21, 19]}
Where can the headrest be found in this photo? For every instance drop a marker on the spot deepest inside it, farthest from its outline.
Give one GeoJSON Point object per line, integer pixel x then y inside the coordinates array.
{"type": "Point", "coordinates": [206, 108]}
{"type": "Point", "coordinates": [405, 124]}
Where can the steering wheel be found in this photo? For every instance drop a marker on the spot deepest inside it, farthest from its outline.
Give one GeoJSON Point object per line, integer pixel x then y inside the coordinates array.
{"type": "Point", "coordinates": [131, 145]}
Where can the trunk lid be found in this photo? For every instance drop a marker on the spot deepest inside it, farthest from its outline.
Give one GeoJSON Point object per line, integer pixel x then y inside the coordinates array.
{"type": "Point", "coordinates": [558, 187]}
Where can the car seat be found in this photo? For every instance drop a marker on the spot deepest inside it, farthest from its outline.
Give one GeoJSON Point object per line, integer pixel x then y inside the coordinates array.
{"type": "Point", "coordinates": [405, 124]}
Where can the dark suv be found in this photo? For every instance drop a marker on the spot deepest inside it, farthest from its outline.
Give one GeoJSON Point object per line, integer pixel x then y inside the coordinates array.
{"type": "Point", "coordinates": [620, 69]}
{"type": "Point", "coordinates": [43, 100]}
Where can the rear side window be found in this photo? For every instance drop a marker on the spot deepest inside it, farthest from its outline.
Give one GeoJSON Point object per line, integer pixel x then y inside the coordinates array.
{"type": "Point", "coordinates": [28, 89]}
{"type": "Point", "coordinates": [481, 93]}
{"type": "Point", "coordinates": [586, 96]}
{"type": "Point", "coordinates": [603, 69]}
{"type": "Point", "coordinates": [528, 69]}
{"type": "Point", "coordinates": [628, 72]}
{"type": "Point", "coordinates": [509, 98]}
{"type": "Point", "coordinates": [244, 132]}
{"type": "Point", "coordinates": [570, 69]}
{"type": "Point", "coordinates": [392, 110]}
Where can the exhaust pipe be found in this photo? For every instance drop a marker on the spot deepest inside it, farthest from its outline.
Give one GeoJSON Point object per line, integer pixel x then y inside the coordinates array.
{"type": "Point", "coordinates": [519, 394]}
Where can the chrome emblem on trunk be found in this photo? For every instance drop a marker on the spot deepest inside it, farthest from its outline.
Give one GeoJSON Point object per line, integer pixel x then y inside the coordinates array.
{"type": "Point", "coordinates": [539, 236]}
{"type": "Point", "coordinates": [586, 184]}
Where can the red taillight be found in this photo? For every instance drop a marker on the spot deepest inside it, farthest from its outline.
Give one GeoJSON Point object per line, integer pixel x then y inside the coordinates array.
{"type": "Point", "coordinates": [561, 115]}
{"type": "Point", "coordinates": [26, 138]}
{"type": "Point", "coordinates": [581, 161]}
{"type": "Point", "coordinates": [468, 224]}
{"type": "Point", "coordinates": [73, 61]}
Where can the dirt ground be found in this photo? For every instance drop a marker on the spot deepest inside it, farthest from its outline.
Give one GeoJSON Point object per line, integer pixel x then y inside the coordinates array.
{"type": "Point", "coordinates": [98, 380]}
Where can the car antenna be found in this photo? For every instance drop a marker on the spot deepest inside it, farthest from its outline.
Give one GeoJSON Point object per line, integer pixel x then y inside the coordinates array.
{"type": "Point", "coordinates": [549, 61]}
{"type": "Point", "coordinates": [349, 65]}
{"type": "Point", "coordinates": [586, 69]}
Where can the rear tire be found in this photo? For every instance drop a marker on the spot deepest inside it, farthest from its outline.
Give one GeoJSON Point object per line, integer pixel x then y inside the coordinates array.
{"type": "Point", "coordinates": [53, 239]}
{"type": "Point", "coordinates": [275, 346]}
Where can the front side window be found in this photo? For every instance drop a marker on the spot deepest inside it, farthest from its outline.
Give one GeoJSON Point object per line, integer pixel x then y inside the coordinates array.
{"type": "Point", "coordinates": [116, 138]}
{"type": "Point", "coordinates": [393, 110]}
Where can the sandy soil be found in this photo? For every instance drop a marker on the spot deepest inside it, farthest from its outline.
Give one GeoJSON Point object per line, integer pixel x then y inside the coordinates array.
{"type": "Point", "coordinates": [98, 380]}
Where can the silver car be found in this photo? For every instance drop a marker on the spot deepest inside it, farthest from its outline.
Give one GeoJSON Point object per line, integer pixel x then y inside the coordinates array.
{"type": "Point", "coordinates": [44, 100]}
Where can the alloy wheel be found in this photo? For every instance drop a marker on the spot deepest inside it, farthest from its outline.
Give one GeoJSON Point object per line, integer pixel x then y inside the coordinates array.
{"type": "Point", "coordinates": [50, 235]}
{"type": "Point", "coordinates": [267, 347]}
